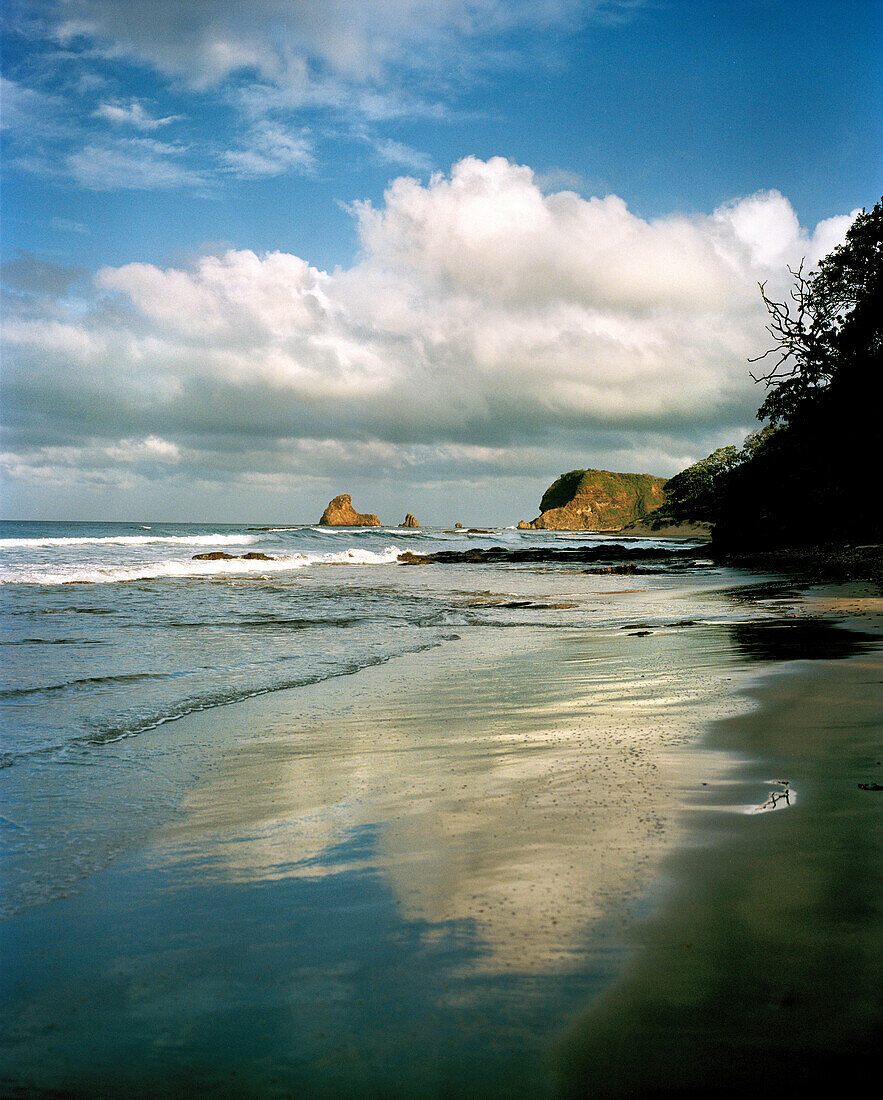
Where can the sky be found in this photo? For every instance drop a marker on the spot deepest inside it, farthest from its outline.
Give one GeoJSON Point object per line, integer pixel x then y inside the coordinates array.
{"type": "Point", "coordinates": [433, 253]}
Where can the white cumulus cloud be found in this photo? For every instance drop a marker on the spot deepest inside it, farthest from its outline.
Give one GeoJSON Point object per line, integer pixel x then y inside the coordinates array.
{"type": "Point", "coordinates": [486, 320]}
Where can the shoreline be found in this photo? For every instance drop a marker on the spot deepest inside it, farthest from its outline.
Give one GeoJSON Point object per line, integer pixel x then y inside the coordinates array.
{"type": "Point", "coordinates": [832, 563]}
{"type": "Point", "coordinates": [415, 878]}
{"type": "Point", "coordinates": [400, 886]}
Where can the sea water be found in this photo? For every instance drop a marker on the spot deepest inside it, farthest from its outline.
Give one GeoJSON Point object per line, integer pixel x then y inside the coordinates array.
{"type": "Point", "coordinates": [111, 630]}
{"type": "Point", "coordinates": [218, 859]}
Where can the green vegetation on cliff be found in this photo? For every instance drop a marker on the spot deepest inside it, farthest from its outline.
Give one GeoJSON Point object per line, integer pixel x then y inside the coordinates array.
{"type": "Point", "coordinates": [596, 500]}
{"type": "Point", "coordinates": [697, 494]}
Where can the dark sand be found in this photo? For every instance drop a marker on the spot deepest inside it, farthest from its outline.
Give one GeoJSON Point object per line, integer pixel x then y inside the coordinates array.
{"type": "Point", "coordinates": [668, 531]}
{"type": "Point", "coordinates": [763, 973]}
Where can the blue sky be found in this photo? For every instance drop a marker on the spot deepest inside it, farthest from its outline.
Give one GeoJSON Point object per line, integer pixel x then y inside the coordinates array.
{"type": "Point", "coordinates": [222, 305]}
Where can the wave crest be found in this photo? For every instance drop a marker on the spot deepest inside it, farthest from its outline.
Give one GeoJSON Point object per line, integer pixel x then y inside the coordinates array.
{"type": "Point", "coordinates": [94, 574]}
{"type": "Point", "coordinates": [133, 540]}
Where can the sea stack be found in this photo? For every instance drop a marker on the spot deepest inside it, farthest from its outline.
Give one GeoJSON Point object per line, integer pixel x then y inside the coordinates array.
{"type": "Point", "coordinates": [340, 513]}
{"type": "Point", "coordinates": [410, 521]}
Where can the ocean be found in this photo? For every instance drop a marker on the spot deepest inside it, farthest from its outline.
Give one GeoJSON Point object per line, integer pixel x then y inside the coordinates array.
{"type": "Point", "coordinates": [110, 630]}
{"type": "Point", "coordinates": [388, 779]}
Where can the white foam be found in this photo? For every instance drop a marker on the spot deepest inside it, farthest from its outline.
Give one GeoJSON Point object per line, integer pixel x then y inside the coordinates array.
{"type": "Point", "coordinates": [135, 540]}
{"type": "Point", "coordinates": [359, 557]}
{"type": "Point", "coordinates": [95, 574]}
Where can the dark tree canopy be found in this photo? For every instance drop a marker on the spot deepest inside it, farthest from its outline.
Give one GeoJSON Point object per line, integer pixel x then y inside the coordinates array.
{"type": "Point", "coordinates": [811, 480]}
{"type": "Point", "coordinates": [696, 494]}
{"type": "Point", "coordinates": [831, 324]}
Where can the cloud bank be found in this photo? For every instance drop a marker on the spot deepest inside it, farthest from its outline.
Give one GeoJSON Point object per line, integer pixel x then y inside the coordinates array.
{"type": "Point", "coordinates": [311, 44]}
{"type": "Point", "coordinates": [490, 335]}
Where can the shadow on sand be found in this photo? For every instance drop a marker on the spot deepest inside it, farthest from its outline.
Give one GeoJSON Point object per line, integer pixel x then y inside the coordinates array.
{"type": "Point", "coordinates": [762, 974]}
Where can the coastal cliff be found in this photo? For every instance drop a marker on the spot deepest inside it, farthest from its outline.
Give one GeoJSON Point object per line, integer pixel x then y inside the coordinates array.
{"type": "Point", "coordinates": [340, 513]}
{"type": "Point", "coordinates": [597, 500]}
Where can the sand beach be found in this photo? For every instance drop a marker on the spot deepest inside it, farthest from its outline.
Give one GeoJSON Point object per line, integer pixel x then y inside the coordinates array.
{"type": "Point", "coordinates": [441, 589]}
{"type": "Point", "coordinates": [537, 864]}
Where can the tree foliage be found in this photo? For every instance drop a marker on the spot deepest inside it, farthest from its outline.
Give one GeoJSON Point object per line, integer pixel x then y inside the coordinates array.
{"type": "Point", "coordinates": [831, 323]}
{"type": "Point", "coordinates": [692, 494]}
{"type": "Point", "coordinates": [696, 494]}
{"type": "Point", "coordinates": [809, 481]}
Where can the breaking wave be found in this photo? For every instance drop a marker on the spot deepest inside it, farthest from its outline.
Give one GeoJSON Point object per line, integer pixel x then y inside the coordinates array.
{"type": "Point", "coordinates": [96, 574]}
{"type": "Point", "coordinates": [133, 540]}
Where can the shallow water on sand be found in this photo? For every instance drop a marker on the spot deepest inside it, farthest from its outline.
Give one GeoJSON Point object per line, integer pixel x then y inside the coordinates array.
{"type": "Point", "coordinates": [405, 877]}
{"type": "Point", "coordinates": [405, 886]}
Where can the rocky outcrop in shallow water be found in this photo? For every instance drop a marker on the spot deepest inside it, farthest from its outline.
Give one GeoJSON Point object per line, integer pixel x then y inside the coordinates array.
{"type": "Point", "coordinates": [221, 555]}
{"type": "Point", "coordinates": [597, 500]}
{"type": "Point", "coordinates": [612, 552]}
{"type": "Point", "coordinates": [410, 521]}
{"type": "Point", "coordinates": [340, 513]}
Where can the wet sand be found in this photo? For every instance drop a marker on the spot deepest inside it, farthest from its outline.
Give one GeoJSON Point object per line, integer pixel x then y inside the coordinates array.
{"type": "Point", "coordinates": [416, 880]}
{"type": "Point", "coordinates": [763, 971]}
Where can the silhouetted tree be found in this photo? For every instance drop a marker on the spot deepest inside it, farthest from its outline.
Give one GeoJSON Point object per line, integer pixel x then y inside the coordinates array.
{"type": "Point", "coordinates": [696, 494]}
{"type": "Point", "coordinates": [810, 481]}
{"type": "Point", "coordinates": [831, 322]}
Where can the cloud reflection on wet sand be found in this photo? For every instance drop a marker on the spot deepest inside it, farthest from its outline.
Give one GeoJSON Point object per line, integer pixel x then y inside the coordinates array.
{"type": "Point", "coordinates": [530, 797]}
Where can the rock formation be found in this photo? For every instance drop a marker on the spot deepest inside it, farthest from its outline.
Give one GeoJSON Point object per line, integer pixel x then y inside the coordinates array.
{"type": "Point", "coordinates": [410, 521]}
{"type": "Point", "coordinates": [340, 513]}
{"type": "Point", "coordinates": [598, 500]}
{"type": "Point", "coordinates": [221, 555]}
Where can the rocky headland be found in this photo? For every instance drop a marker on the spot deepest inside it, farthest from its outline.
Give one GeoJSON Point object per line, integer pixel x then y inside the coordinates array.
{"type": "Point", "coordinates": [340, 513]}
{"type": "Point", "coordinates": [597, 500]}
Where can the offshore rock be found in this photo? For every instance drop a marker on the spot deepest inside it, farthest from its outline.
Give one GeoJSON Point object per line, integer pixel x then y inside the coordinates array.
{"type": "Point", "coordinates": [220, 555]}
{"type": "Point", "coordinates": [410, 521]}
{"type": "Point", "coordinates": [598, 500]}
{"type": "Point", "coordinates": [340, 513]}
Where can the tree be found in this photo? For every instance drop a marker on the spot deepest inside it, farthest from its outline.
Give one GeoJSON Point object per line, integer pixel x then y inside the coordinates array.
{"type": "Point", "coordinates": [696, 494]}
{"type": "Point", "coordinates": [692, 494]}
{"type": "Point", "coordinates": [811, 481]}
{"type": "Point", "coordinates": [831, 325]}
{"type": "Point", "coordinates": [802, 332]}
